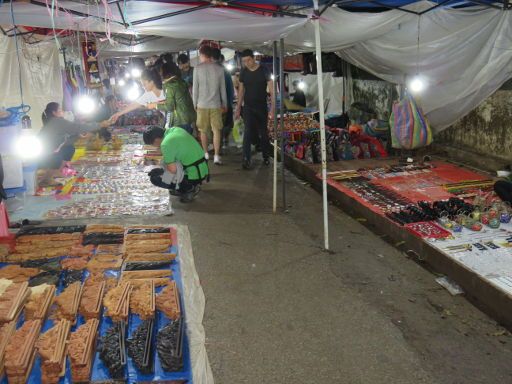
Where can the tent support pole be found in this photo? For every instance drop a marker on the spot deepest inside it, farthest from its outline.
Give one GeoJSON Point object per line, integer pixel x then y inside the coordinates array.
{"type": "Point", "coordinates": [281, 113]}
{"type": "Point", "coordinates": [319, 74]}
{"type": "Point", "coordinates": [274, 84]}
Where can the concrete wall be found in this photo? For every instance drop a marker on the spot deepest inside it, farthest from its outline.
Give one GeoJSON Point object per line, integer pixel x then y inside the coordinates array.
{"type": "Point", "coordinates": [378, 94]}
{"type": "Point", "coordinates": [487, 130]}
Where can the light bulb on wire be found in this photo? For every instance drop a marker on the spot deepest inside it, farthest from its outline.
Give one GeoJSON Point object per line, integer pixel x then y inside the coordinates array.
{"type": "Point", "coordinates": [133, 93]}
{"type": "Point", "coordinates": [301, 85]}
{"type": "Point", "coordinates": [230, 67]}
{"type": "Point", "coordinates": [121, 82]}
{"type": "Point", "coordinates": [417, 84]}
{"type": "Point", "coordinates": [28, 146]}
{"type": "Point", "coordinates": [136, 72]}
{"type": "Point", "coordinates": [85, 105]}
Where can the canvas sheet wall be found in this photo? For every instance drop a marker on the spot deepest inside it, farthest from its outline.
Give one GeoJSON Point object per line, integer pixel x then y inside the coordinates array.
{"type": "Point", "coordinates": [40, 76]}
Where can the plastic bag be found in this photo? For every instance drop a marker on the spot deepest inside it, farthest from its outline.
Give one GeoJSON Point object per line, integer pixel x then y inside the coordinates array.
{"type": "Point", "coordinates": [238, 131]}
{"type": "Point", "coordinates": [409, 127]}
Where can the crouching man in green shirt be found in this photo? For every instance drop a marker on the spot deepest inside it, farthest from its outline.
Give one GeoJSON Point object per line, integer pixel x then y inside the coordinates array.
{"type": "Point", "coordinates": [185, 167]}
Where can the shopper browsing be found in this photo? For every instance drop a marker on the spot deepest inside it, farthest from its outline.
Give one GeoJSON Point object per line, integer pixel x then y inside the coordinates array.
{"type": "Point", "coordinates": [178, 102]}
{"type": "Point", "coordinates": [184, 165]}
{"type": "Point", "coordinates": [210, 100]}
{"type": "Point", "coordinates": [187, 71]}
{"type": "Point", "coordinates": [152, 84]}
{"type": "Point", "coordinates": [255, 79]}
{"type": "Point", "coordinates": [227, 118]}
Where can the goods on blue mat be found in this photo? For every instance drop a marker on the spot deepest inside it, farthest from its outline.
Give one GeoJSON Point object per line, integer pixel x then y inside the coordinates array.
{"type": "Point", "coordinates": [92, 299]}
{"type": "Point", "coordinates": [168, 301]}
{"type": "Point", "coordinates": [111, 352]}
{"type": "Point", "coordinates": [72, 276]}
{"type": "Point", "coordinates": [39, 302]}
{"type": "Point", "coordinates": [6, 331]}
{"type": "Point", "coordinates": [20, 352]}
{"type": "Point", "coordinates": [103, 286]}
{"type": "Point", "coordinates": [66, 304]}
{"type": "Point", "coordinates": [12, 300]}
{"type": "Point", "coordinates": [51, 347]}
{"type": "Point", "coordinates": [142, 299]}
{"type": "Point", "coordinates": [150, 257]}
{"type": "Point", "coordinates": [169, 345]}
{"type": "Point", "coordinates": [117, 301]}
{"type": "Point", "coordinates": [81, 349]}
{"type": "Point", "coordinates": [140, 346]}
{"type": "Point", "coordinates": [18, 274]}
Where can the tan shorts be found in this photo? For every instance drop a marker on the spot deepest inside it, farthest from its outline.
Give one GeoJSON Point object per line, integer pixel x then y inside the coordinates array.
{"type": "Point", "coordinates": [209, 120]}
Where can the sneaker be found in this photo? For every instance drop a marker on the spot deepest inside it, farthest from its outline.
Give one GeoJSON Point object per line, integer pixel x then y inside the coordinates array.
{"type": "Point", "coordinates": [217, 160]}
{"type": "Point", "coordinates": [207, 156]}
{"type": "Point", "coordinates": [266, 161]}
{"type": "Point", "coordinates": [189, 196]}
{"type": "Point", "coordinates": [246, 164]}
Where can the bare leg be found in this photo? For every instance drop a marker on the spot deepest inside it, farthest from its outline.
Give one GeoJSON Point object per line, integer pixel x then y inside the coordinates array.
{"type": "Point", "coordinates": [204, 141]}
{"type": "Point", "coordinates": [217, 136]}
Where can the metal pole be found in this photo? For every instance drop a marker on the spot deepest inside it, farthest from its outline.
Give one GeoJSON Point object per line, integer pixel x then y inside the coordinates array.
{"type": "Point", "coordinates": [274, 73]}
{"type": "Point", "coordinates": [322, 122]}
{"type": "Point", "coordinates": [281, 113]}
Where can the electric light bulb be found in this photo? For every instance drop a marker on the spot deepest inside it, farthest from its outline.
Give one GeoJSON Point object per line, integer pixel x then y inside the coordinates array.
{"type": "Point", "coordinates": [301, 85]}
{"type": "Point", "coordinates": [272, 77]}
{"type": "Point", "coordinates": [229, 67]}
{"type": "Point", "coordinates": [136, 72]}
{"type": "Point", "coordinates": [122, 83]}
{"type": "Point", "coordinates": [28, 146]}
{"type": "Point", "coordinates": [133, 93]}
{"type": "Point", "coordinates": [127, 75]}
{"type": "Point", "coordinates": [85, 105]}
{"type": "Point", "coordinates": [417, 85]}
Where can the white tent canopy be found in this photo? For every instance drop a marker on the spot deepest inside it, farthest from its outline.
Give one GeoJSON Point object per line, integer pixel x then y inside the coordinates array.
{"type": "Point", "coordinates": [464, 54]}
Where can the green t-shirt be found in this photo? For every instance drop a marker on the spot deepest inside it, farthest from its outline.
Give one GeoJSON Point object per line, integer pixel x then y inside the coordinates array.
{"type": "Point", "coordinates": [179, 145]}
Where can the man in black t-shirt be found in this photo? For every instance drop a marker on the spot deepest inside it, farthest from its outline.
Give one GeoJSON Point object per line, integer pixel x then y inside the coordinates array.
{"type": "Point", "coordinates": [252, 94]}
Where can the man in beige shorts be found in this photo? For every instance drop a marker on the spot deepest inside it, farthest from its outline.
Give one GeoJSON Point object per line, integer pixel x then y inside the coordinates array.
{"type": "Point", "coordinates": [210, 101]}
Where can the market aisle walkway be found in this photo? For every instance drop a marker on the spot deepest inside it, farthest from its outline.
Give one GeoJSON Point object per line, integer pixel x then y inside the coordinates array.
{"type": "Point", "coordinates": [281, 310]}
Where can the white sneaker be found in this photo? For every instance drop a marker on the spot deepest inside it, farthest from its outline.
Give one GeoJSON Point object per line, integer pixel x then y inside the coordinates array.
{"type": "Point", "coordinates": [207, 156]}
{"type": "Point", "coordinates": [217, 160]}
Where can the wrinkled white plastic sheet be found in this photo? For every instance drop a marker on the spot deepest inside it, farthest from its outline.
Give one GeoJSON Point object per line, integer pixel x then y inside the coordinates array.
{"type": "Point", "coordinates": [464, 55]}
{"type": "Point", "coordinates": [194, 306]}
{"type": "Point", "coordinates": [40, 76]}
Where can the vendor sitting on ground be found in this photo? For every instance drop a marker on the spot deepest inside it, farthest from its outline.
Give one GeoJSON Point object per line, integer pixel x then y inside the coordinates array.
{"type": "Point", "coordinates": [184, 164]}
{"type": "Point", "coordinates": [58, 136]}
{"type": "Point", "coordinates": [152, 83]}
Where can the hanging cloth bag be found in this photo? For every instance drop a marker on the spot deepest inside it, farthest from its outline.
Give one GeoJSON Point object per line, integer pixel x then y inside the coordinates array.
{"type": "Point", "coordinates": [410, 128]}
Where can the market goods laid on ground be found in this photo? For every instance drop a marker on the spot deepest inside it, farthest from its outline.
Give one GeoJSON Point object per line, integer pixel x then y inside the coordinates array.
{"type": "Point", "coordinates": [107, 321]}
{"type": "Point", "coordinates": [449, 207]}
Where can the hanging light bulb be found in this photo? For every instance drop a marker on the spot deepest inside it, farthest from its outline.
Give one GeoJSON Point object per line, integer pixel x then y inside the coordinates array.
{"type": "Point", "coordinates": [127, 75]}
{"type": "Point", "coordinates": [229, 67]}
{"type": "Point", "coordinates": [133, 93]}
{"type": "Point", "coordinates": [417, 84]}
{"type": "Point", "coordinates": [272, 77]}
{"type": "Point", "coordinates": [28, 145]}
{"type": "Point", "coordinates": [136, 72]}
{"type": "Point", "coordinates": [85, 105]}
{"type": "Point", "coordinates": [121, 82]}
{"type": "Point", "coordinates": [301, 85]}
